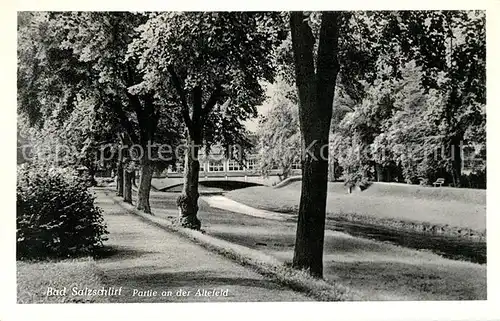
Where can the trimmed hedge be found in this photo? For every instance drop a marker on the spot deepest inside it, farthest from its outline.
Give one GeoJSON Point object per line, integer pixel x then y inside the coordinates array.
{"type": "Point", "coordinates": [56, 214]}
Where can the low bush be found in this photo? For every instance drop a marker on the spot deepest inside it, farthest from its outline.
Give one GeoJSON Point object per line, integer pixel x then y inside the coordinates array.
{"type": "Point", "coordinates": [56, 214]}
{"type": "Point", "coordinates": [475, 180]}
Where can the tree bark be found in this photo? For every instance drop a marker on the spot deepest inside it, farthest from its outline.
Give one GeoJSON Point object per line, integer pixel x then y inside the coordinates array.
{"type": "Point", "coordinates": [456, 161]}
{"type": "Point", "coordinates": [127, 186]}
{"type": "Point", "coordinates": [316, 92]}
{"type": "Point", "coordinates": [145, 186]}
{"type": "Point", "coordinates": [188, 200]}
{"type": "Point", "coordinates": [92, 169]}
{"type": "Point", "coordinates": [119, 178]}
{"type": "Point", "coordinates": [134, 179]}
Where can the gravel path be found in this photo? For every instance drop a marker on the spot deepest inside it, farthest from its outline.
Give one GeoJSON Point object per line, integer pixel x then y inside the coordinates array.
{"type": "Point", "coordinates": [142, 258]}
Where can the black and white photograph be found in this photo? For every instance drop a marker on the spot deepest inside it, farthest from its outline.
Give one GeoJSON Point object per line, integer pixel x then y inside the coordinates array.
{"type": "Point", "coordinates": [251, 156]}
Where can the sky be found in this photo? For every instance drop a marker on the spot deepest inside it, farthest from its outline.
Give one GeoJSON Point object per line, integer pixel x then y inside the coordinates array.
{"type": "Point", "coordinates": [253, 124]}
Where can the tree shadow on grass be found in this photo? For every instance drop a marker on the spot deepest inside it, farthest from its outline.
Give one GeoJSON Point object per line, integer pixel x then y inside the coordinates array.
{"type": "Point", "coordinates": [136, 278]}
{"type": "Point", "coordinates": [410, 281]}
{"type": "Point", "coordinates": [278, 239]}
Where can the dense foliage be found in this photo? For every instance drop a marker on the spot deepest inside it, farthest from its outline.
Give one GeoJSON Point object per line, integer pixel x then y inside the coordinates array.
{"type": "Point", "coordinates": [279, 132]}
{"type": "Point", "coordinates": [208, 65]}
{"type": "Point", "coordinates": [56, 215]}
{"type": "Point", "coordinates": [423, 115]}
{"type": "Point", "coordinates": [410, 97]}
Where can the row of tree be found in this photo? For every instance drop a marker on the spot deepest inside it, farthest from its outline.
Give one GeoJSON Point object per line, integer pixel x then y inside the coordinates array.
{"type": "Point", "coordinates": [86, 79]}
{"type": "Point", "coordinates": [137, 79]}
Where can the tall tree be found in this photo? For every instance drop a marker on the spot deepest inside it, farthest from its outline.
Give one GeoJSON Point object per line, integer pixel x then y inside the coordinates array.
{"type": "Point", "coordinates": [315, 79]}
{"type": "Point", "coordinates": [279, 131]}
{"type": "Point", "coordinates": [358, 52]}
{"type": "Point", "coordinates": [212, 62]}
{"type": "Point", "coordinates": [411, 136]}
{"type": "Point", "coordinates": [447, 48]}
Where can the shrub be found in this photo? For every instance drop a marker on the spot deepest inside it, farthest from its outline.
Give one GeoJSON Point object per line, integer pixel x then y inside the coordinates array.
{"type": "Point", "coordinates": [358, 176]}
{"type": "Point", "coordinates": [475, 179]}
{"type": "Point", "coordinates": [56, 215]}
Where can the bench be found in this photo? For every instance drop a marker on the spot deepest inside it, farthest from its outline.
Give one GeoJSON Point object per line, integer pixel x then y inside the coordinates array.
{"type": "Point", "coordinates": [439, 181]}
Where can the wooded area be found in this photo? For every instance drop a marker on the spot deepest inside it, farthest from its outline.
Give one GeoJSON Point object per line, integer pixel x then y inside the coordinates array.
{"type": "Point", "coordinates": [381, 96]}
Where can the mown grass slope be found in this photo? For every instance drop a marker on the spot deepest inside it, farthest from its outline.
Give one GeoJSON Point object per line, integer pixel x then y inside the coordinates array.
{"type": "Point", "coordinates": [462, 208]}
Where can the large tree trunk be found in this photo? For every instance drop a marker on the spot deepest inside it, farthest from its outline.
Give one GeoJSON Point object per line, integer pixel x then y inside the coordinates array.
{"type": "Point", "coordinates": [145, 186]}
{"type": "Point", "coordinates": [315, 91]}
{"type": "Point", "coordinates": [379, 170]}
{"type": "Point", "coordinates": [119, 178]}
{"type": "Point", "coordinates": [331, 171]}
{"type": "Point", "coordinates": [127, 186]}
{"type": "Point", "coordinates": [309, 241]}
{"type": "Point", "coordinates": [456, 161]}
{"type": "Point", "coordinates": [92, 170]}
{"type": "Point", "coordinates": [188, 200]}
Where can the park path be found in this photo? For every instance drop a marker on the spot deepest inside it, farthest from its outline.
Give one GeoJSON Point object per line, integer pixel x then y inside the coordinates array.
{"type": "Point", "coordinates": [145, 257]}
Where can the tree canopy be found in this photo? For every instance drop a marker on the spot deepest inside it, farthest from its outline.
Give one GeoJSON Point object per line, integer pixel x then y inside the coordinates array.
{"type": "Point", "coordinates": [427, 98]}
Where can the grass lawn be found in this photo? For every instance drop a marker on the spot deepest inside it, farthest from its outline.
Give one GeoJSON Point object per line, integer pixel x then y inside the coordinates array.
{"type": "Point", "coordinates": [34, 278]}
{"type": "Point", "coordinates": [461, 208]}
{"type": "Point", "coordinates": [369, 270]}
